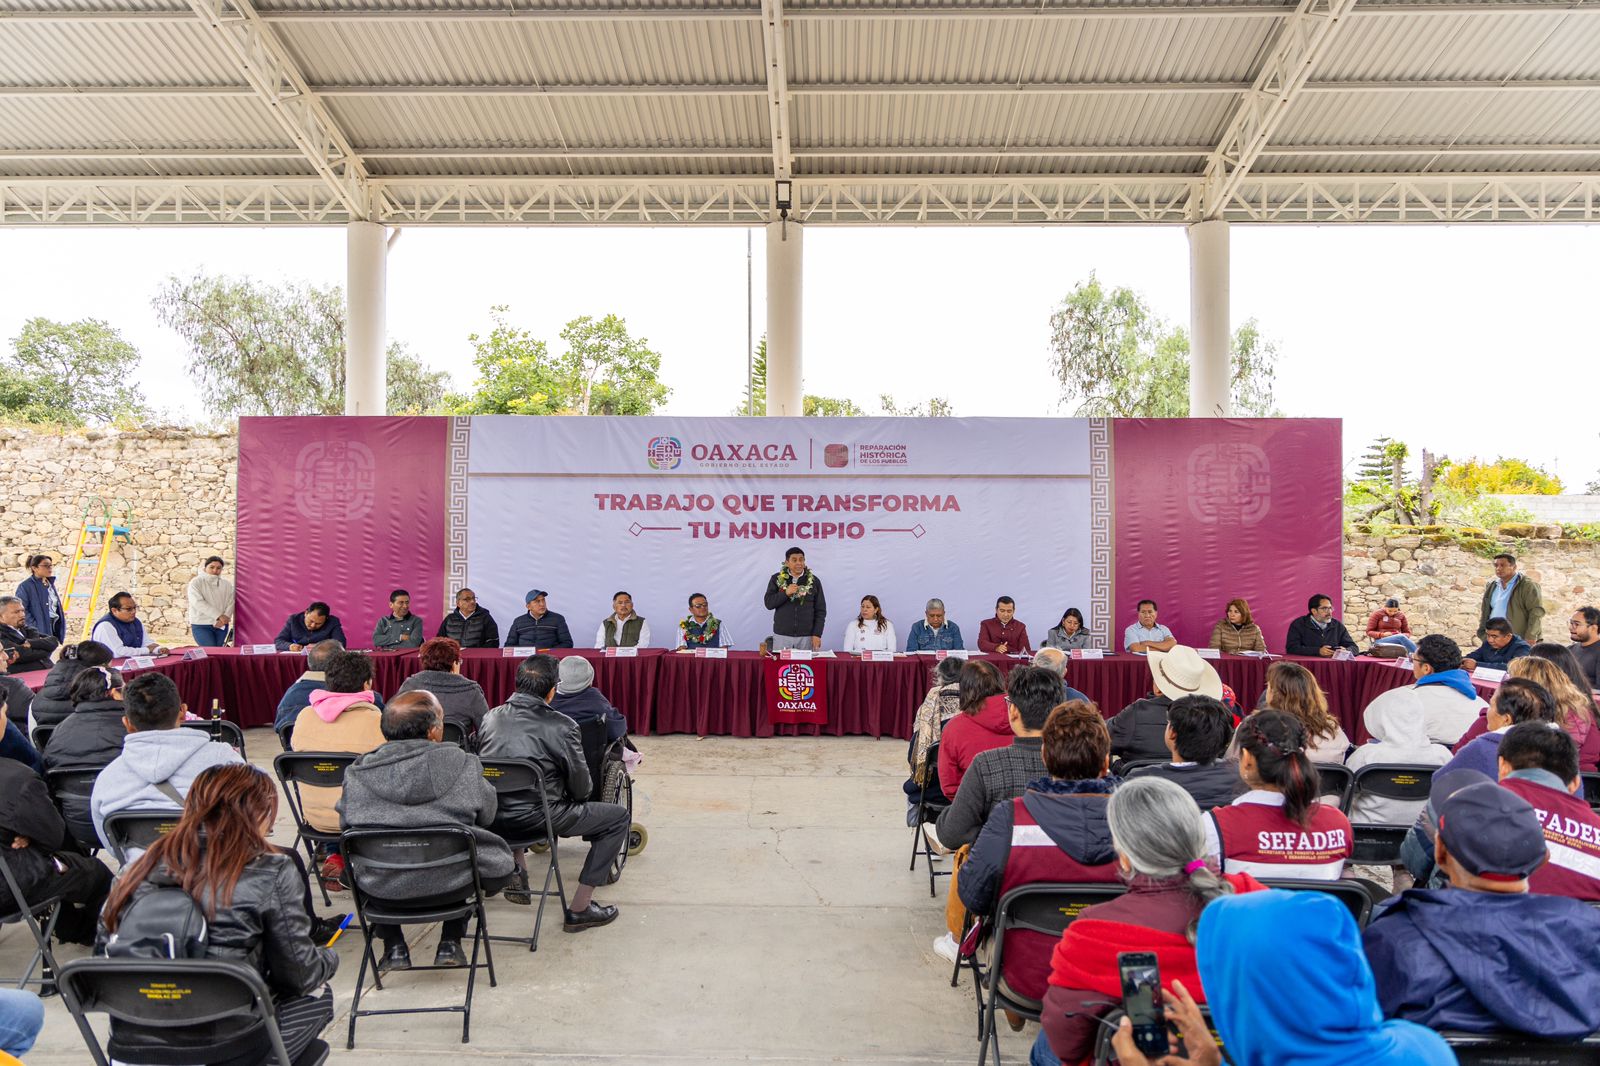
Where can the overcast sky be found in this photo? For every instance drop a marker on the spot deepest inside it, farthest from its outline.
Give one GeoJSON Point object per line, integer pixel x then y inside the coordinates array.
{"type": "Point", "coordinates": [1467, 340]}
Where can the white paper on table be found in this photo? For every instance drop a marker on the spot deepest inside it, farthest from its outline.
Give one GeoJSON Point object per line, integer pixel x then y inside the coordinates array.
{"type": "Point", "coordinates": [1488, 673]}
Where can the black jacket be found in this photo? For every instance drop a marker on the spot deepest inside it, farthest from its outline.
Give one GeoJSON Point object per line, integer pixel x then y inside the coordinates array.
{"type": "Point", "coordinates": [294, 631]}
{"type": "Point", "coordinates": [549, 631]}
{"type": "Point", "coordinates": [1215, 784]}
{"type": "Point", "coordinates": [89, 739]}
{"type": "Point", "coordinates": [796, 618]}
{"type": "Point", "coordinates": [1139, 731]}
{"type": "Point", "coordinates": [51, 705]}
{"type": "Point", "coordinates": [18, 698]}
{"type": "Point", "coordinates": [479, 631]}
{"type": "Point", "coordinates": [1306, 639]}
{"type": "Point", "coordinates": [34, 657]}
{"type": "Point", "coordinates": [26, 810]}
{"type": "Point", "coordinates": [526, 727]}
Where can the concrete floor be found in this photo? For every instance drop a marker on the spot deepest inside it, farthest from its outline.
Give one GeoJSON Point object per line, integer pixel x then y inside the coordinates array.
{"type": "Point", "coordinates": [771, 919]}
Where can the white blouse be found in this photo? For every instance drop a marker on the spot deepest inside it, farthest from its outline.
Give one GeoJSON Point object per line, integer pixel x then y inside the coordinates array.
{"type": "Point", "coordinates": [859, 638]}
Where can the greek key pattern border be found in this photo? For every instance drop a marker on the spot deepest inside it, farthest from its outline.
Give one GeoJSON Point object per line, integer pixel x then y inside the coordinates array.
{"type": "Point", "coordinates": [455, 541]}
{"type": "Point", "coordinates": [1101, 527]}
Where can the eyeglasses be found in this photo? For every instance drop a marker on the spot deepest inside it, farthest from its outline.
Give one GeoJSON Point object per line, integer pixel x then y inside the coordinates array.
{"type": "Point", "coordinates": [127, 607]}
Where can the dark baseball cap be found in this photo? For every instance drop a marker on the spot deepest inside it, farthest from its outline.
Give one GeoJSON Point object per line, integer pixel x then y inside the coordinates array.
{"type": "Point", "coordinates": [533, 594]}
{"type": "Point", "coordinates": [1491, 831]}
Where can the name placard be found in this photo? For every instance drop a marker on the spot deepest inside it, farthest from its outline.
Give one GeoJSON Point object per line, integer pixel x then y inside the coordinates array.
{"type": "Point", "coordinates": [1088, 653]}
{"type": "Point", "coordinates": [622, 653]}
{"type": "Point", "coordinates": [518, 652]}
{"type": "Point", "coordinates": [1488, 673]}
{"type": "Point", "coordinates": [194, 653]}
{"type": "Point", "coordinates": [1209, 653]}
{"type": "Point", "coordinates": [877, 656]}
{"type": "Point", "coordinates": [259, 649]}
{"type": "Point", "coordinates": [138, 662]}
{"type": "Point", "coordinates": [711, 653]}
{"type": "Point", "coordinates": [952, 653]}
{"type": "Point", "coordinates": [795, 653]}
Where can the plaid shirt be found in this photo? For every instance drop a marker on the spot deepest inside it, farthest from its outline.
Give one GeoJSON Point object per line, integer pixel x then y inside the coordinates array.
{"type": "Point", "coordinates": [995, 775]}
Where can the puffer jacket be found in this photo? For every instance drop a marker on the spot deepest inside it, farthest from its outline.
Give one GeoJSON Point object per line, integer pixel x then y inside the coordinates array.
{"type": "Point", "coordinates": [1139, 730]}
{"type": "Point", "coordinates": [18, 698]}
{"type": "Point", "coordinates": [477, 631]}
{"type": "Point", "coordinates": [1231, 639]}
{"type": "Point", "coordinates": [526, 727]}
{"type": "Point", "coordinates": [51, 704]}
{"type": "Point", "coordinates": [89, 739]}
{"type": "Point", "coordinates": [461, 697]}
{"type": "Point", "coordinates": [265, 926]}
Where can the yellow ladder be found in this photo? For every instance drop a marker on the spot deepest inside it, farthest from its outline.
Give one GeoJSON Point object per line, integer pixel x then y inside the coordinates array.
{"type": "Point", "coordinates": [108, 522]}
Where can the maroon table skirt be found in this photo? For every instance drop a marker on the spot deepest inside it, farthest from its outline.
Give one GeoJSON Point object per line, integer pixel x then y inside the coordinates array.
{"type": "Point", "coordinates": [666, 692]}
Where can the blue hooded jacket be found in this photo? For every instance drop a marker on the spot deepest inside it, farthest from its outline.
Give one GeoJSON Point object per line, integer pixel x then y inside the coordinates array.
{"type": "Point", "coordinates": [1287, 983]}
{"type": "Point", "coordinates": [1481, 961]}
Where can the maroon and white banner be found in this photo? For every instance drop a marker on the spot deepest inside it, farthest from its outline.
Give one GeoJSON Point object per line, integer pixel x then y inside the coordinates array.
{"type": "Point", "coordinates": [795, 692]}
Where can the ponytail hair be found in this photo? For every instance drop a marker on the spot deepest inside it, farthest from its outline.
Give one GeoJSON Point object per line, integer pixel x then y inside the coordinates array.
{"type": "Point", "coordinates": [87, 653]}
{"type": "Point", "coordinates": [1158, 828]}
{"type": "Point", "coordinates": [1277, 741]}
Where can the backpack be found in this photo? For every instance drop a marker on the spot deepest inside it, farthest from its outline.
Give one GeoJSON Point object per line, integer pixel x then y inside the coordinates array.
{"type": "Point", "coordinates": [162, 923]}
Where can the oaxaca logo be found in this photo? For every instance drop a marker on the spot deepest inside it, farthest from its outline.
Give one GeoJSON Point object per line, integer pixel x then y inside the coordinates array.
{"type": "Point", "coordinates": [664, 453]}
{"type": "Point", "coordinates": [796, 682]}
{"type": "Point", "coordinates": [334, 481]}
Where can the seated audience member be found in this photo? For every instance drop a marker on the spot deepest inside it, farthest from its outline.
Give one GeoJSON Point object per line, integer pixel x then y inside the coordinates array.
{"type": "Point", "coordinates": [1055, 660]}
{"type": "Point", "coordinates": [1197, 735]}
{"type": "Point", "coordinates": [40, 600]}
{"type": "Point", "coordinates": [14, 744]}
{"type": "Point", "coordinates": [871, 631]}
{"type": "Point", "coordinates": [1516, 700]}
{"type": "Point", "coordinates": [1557, 669]}
{"type": "Point", "coordinates": [1264, 956]}
{"type": "Point", "coordinates": [1055, 831]}
{"type": "Point", "coordinates": [461, 697]}
{"type": "Point", "coordinates": [1004, 634]}
{"type": "Point", "coordinates": [1160, 847]}
{"type": "Point", "coordinates": [702, 629]}
{"type": "Point", "coordinates": [1318, 632]}
{"type": "Point", "coordinates": [538, 626]}
{"type": "Point", "coordinates": [414, 781]}
{"type": "Point", "coordinates": [89, 739]}
{"type": "Point", "coordinates": [1236, 632]}
{"type": "Point", "coordinates": [120, 629]}
{"type": "Point", "coordinates": [1400, 736]}
{"type": "Point", "coordinates": [1485, 955]}
{"type": "Point", "coordinates": [579, 700]}
{"type": "Point", "coordinates": [33, 648]}
{"type": "Point", "coordinates": [983, 723]}
{"type": "Point", "coordinates": [341, 717]}
{"type": "Point", "coordinates": [1450, 703]}
{"type": "Point", "coordinates": [1539, 762]}
{"type": "Point", "coordinates": [469, 625]}
{"type": "Point", "coordinates": [311, 626]}
{"type": "Point", "coordinates": [1499, 647]}
{"type": "Point", "coordinates": [1279, 828]}
{"type": "Point", "coordinates": [1069, 634]}
{"type": "Point", "coordinates": [211, 602]}
{"type": "Point", "coordinates": [159, 760]}
{"type": "Point", "coordinates": [623, 628]}
{"type": "Point", "coordinates": [1388, 625]}
{"type": "Point", "coordinates": [526, 727]}
{"type": "Point", "coordinates": [1293, 689]}
{"type": "Point", "coordinates": [43, 857]}
{"type": "Point", "coordinates": [16, 695]}
{"type": "Point", "coordinates": [1147, 634]}
{"type": "Point", "coordinates": [298, 695]}
{"type": "Point", "coordinates": [932, 632]}
{"type": "Point", "coordinates": [399, 629]}
{"type": "Point", "coordinates": [1002, 773]}
{"type": "Point", "coordinates": [1584, 625]}
{"type": "Point", "coordinates": [942, 703]}
{"type": "Point", "coordinates": [251, 895]}
{"type": "Point", "coordinates": [53, 702]}
{"type": "Point", "coordinates": [1139, 730]}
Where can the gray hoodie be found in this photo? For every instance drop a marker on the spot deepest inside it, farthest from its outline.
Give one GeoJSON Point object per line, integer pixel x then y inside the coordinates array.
{"type": "Point", "coordinates": [408, 784]}
{"type": "Point", "coordinates": [176, 756]}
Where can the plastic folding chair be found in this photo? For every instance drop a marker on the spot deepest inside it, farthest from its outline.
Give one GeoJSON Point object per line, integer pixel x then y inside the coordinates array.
{"type": "Point", "coordinates": [1378, 844]}
{"type": "Point", "coordinates": [1357, 893]}
{"type": "Point", "coordinates": [314, 769]}
{"type": "Point", "coordinates": [1520, 1049]}
{"type": "Point", "coordinates": [49, 909]}
{"type": "Point", "coordinates": [1591, 788]}
{"type": "Point", "coordinates": [127, 830]}
{"type": "Point", "coordinates": [73, 787]}
{"type": "Point", "coordinates": [521, 777]}
{"type": "Point", "coordinates": [930, 805]}
{"type": "Point", "coordinates": [41, 736]}
{"type": "Point", "coordinates": [454, 734]}
{"type": "Point", "coordinates": [222, 731]}
{"type": "Point", "coordinates": [1335, 779]}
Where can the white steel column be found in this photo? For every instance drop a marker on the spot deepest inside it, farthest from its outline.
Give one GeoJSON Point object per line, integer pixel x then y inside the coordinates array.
{"type": "Point", "coordinates": [1210, 365]}
{"type": "Point", "coordinates": [785, 387]}
{"type": "Point", "coordinates": [365, 362]}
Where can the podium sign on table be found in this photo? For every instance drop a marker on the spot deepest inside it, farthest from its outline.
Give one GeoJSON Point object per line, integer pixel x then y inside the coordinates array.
{"type": "Point", "coordinates": [794, 692]}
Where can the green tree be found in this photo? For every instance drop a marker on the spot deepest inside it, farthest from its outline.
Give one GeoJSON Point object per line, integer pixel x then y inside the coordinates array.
{"type": "Point", "coordinates": [515, 374]}
{"type": "Point", "coordinates": [258, 349]}
{"type": "Point", "coordinates": [69, 373]}
{"type": "Point", "coordinates": [811, 406]}
{"type": "Point", "coordinates": [1114, 357]}
{"type": "Point", "coordinates": [609, 372]}
{"type": "Point", "coordinates": [935, 407]}
{"type": "Point", "coordinates": [1503, 476]}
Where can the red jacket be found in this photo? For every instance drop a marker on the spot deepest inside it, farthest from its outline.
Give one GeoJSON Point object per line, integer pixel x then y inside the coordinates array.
{"type": "Point", "coordinates": [966, 735]}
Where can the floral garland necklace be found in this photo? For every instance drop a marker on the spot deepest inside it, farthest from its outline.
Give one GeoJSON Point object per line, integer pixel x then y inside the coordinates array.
{"type": "Point", "coordinates": [708, 630]}
{"type": "Point", "coordinates": [784, 579]}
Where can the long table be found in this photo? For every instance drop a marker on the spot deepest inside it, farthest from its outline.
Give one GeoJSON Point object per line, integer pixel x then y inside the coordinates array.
{"type": "Point", "coordinates": [669, 692]}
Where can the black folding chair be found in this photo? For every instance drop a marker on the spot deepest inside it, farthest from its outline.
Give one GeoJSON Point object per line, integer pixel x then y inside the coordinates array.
{"type": "Point", "coordinates": [1378, 844]}
{"type": "Point", "coordinates": [454, 734]}
{"type": "Point", "coordinates": [41, 736]}
{"type": "Point", "coordinates": [1520, 1049]}
{"type": "Point", "coordinates": [1335, 779]}
{"type": "Point", "coordinates": [176, 994]}
{"type": "Point", "coordinates": [521, 777]}
{"type": "Point", "coordinates": [126, 830]}
{"type": "Point", "coordinates": [1591, 788]}
{"type": "Point", "coordinates": [439, 851]}
{"type": "Point", "coordinates": [930, 804]}
{"type": "Point", "coordinates": [286, 735]}
{"type": "Point", "coordinates": [1357, 893]}
{"type": "Point", "coordinates": [315, 769]}
{"type": "Point", "coordinates": [75, 786]}
{"type": "Point", "coordinates": [1129, 766]}
{"type": "Point", "coordinates": [221, 730]}
{"type": "Point", "coordinates": [1046, 909]}
{"type": "Point", "coordinates": [20, 910]}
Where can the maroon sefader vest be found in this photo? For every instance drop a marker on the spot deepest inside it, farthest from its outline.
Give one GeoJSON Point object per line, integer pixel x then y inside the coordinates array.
{"type": "Point", "coordinates": [1260, 840]}
{"type": "Point", "coordinates": [1571, 833]}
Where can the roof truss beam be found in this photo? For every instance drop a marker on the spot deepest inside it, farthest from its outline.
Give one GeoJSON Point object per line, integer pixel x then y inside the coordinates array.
{"type": "Point", "coordinates": [774, 41]}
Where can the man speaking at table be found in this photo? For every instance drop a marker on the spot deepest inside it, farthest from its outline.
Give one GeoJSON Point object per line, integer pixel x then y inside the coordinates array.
{"type": "Point", "coordinates": [799, 611]}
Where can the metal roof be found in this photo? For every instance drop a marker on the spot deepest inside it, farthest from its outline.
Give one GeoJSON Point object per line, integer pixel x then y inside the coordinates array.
{"type": "Point", "coordinates": [925, 112]}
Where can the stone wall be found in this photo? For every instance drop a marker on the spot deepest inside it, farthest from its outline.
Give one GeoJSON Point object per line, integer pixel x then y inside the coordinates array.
{"type": "Point", "coordinates": [1439, 583]}
{"type": "Point", "coordinates": [180, 484]}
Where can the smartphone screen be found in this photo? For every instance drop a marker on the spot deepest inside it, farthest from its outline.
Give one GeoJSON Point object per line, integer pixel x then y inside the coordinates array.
{"type": "Point", "coordinates": [1141, 998]}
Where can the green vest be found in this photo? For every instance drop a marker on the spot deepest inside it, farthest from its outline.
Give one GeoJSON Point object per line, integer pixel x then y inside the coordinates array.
{"type": "Point", "coordinates": [630, 632]}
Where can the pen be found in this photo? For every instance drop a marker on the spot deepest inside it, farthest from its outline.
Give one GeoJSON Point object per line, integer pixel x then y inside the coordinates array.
{"type": "Point", "coordinates": [337, 933]}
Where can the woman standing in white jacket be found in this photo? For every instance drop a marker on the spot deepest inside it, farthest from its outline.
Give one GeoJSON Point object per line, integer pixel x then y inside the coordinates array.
{"type": "Point", "coordinates": [871, 631]}
{"type": "Point", "coordinates": [210, 604]}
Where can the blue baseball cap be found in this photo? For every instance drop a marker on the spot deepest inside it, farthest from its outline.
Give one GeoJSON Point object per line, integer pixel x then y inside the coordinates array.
{"type": "Point", "coordinates": [533, 594]}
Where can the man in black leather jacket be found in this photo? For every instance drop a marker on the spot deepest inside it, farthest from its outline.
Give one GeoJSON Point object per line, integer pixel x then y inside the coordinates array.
{"type": "Point", "coordinates": [526, 727]}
